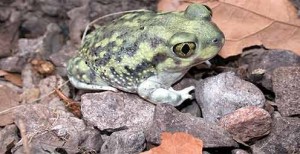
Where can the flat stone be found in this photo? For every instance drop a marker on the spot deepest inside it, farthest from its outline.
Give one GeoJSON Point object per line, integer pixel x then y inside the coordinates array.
{"type": "Point", "coordinates": [224, 93]}
{"type": "Point", "coordinates": [247, 123]}
{"type": "Point", "coordinates": [284, 137]}
{"type": "Point", "coordinates": [110, 111]}
{"type": "Point", "coordinates": [286, 86]}
{"type": "Point", "coordinates": [169, 119]}
{"type": "Point", "coordinates": [125, 141]}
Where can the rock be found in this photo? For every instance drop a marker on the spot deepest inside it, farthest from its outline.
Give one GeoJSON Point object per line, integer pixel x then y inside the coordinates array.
{"type": "Point", "coordinates": [188, 106]}
{"type": "Point", "coordinates": [284, 137]}
{"type": "Point", "coordinates": [13, 87]}
{"type": "Point", "coordinates": [266, 61]}
{"type": "Point", "coordinates": [79, 20]}
{"type": "Point", "coordinates": [8, 32]}
{"type": "Point", "coordinates": [34, 24]}
{"type": "Point", "coordinates": [224, 93]}
{"type": "Point", "coordinates": [110, 111]}
{"type": "Point", "coordinates": [168, 119]}
{"type": "Point", "coordinates": [125, 141]}
{"type": "Point", "coordinates": [286, 86]}
{"type": "Point", "coordinates": [51, 7]}
{"type": "Point", "coordinates": [61, 58]}
{"type": "Point", "coordinates": [27, 48]}
{"type": "Point", "coordinates": [92, 141]}
{"type": "Point", "coordinates": [8, 138]}
{"type": "Point", "coordinates": [192, 108]}
{"type": "Point", "coordinates": [52, 129]}
{"type": "Point", "coordinates": [5, 13]}
{"type": "Point", "coordinates": [12, 64]}
{"type": "Point", "coordinates": [8, 97]}
{"type": "Point", "coordinates": [49, 98]}
{"type": "Point", "coordinates": [30, 78]}
{"type": "Point", "coordinates": [53, 40]}
{"type": "Point", "coordinates": [247, 123]}
{"type": "Point", "coordinates": [239, 151]}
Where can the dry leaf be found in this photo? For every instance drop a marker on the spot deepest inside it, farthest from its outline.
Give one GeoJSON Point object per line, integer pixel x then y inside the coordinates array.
{"type": "Point", "coordinates": [12, 77]}
{"type": "Point", "coordinates": [71, 105]}
{"type": "Point", "coordinates": [177, 143]}
{"type": "Point", "coordinates": [42, 66]}
{"type": "Point", "coordinates": [272, 23]}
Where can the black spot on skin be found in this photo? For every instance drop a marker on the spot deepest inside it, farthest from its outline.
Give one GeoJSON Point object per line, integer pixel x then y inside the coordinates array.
{"type": "Point", "coordinates": [110, 45]}
{"type": "Point", "coordinates": [143, 66]}
{"type": "Point", "coordinates": [96, 51]}
{"type": "Point", "coordinates": [92, 75]}
{"type": "Point", "coordinates": [159, 58]}
{"type": "Point", "coordinates": [103, 61]}
{"type": "Point", "coordinates": [113, 71]}
{"type": "Point", "coordinates": [130, 50]}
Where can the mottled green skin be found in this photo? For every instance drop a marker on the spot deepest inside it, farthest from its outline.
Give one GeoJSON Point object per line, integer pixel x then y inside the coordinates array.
{"type": "Point", "coordinates": [138, 46]}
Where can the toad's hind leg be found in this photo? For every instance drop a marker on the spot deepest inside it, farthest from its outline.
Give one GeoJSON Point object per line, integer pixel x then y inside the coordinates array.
{"type": "Point", "coordinates": [82, 77]}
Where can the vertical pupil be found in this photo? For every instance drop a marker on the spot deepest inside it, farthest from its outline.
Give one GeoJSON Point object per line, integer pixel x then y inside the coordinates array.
{"type": "Point", "coordinates": [185, 49]}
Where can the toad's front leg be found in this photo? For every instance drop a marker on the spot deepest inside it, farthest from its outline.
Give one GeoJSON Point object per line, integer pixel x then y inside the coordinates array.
{"type": "Point", "coordinates": [157, 93]}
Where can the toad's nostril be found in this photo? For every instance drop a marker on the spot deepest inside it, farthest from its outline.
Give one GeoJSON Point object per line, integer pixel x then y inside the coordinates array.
{"type": "Point", "coordinates": [216, 41]}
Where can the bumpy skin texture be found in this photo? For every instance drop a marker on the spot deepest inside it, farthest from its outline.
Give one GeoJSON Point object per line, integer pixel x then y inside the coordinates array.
{"type": "Point", "coordinates": [146, 52]}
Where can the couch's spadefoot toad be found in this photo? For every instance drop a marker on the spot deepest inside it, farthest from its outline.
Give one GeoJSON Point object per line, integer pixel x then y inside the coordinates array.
{"type": "Point", "coordinates": [146, 52]}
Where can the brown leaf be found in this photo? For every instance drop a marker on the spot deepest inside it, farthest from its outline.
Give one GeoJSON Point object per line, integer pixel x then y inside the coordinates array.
{"type": "Point", "coordinates": [12, 77]}
{"type": "Point", "coordinates": [273, 24]}
{"type": "Point", "coordinates": [177, 143]}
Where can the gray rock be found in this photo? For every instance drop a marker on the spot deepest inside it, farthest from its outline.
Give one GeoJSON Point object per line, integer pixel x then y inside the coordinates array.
{"type": "Point", "coordinates": [92, 140]}
{"type": "Point", "coordinates": [188, 106]}
{"type": "Point", "coordinates": [47, 86]}
{"type": "Point", "coordinates": [8, 35]}
{"type": "Point", "coordinates": [265, 62]}
{"type": "Point", "coordinates": [61, 58]}
{"type": "Point", "coordinates": [52, 129]}
{"type": "Point", "coordinates": [224, 93]}
{"type": "Point", "coordinates": [123, 142]}
{"type": "Point", "coordinates": [168, 119]}
{"type": "Point", "coordinates": [13, 64]}
{"type": "Point", "coordinates": [286, 86]}
{"type": "Point", "coordinates": [30, 77]}
{"type": "Point", "coordinates": [8, 138]}
{"type": "Point", "coordinates": [34, 24]}
{"type": "Point", "coordinates": [51, 7]}
{"type": "Point", "coordinates": [45, 45]}
{"type": "Point", "coordinates": [11, 86]}
{"type": "Point", "coordinates": [283, 139]}
{"type": "Point", "coordinates": [239, 151]}
{"type": "Point", "coordinates": [79, 19]}
{"type": "Point", "coordinates": [5, 13]}
{"type": "Point", "coordinates": [247, 123]}
{"type": "Point", "coordinates": [110, 111]}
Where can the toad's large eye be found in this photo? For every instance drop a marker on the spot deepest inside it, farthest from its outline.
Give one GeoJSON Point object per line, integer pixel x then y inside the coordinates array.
{"type": "Point", "coordinates": [185, 49]}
